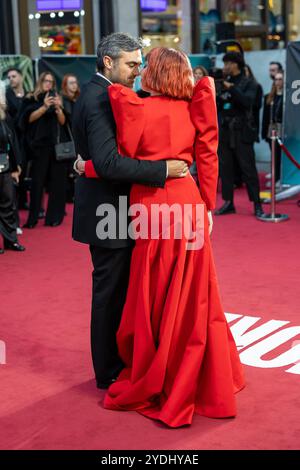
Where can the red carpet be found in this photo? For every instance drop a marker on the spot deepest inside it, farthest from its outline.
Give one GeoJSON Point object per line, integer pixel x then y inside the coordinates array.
{"type": "Point", "coordinates": [48, 397]}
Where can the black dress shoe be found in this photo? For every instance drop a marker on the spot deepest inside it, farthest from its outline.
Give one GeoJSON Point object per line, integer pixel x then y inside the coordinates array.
{"type": "Point", "coordinates": [13, 246]}
{"type": "Point", "coordinates": [105, 384]}
{"type": "Point", "coordinates": [258, 210]}
{"type": "Point", "coordinates": [30, 225]}
{"type": "Point", "coordinates": [52, 224]}
{"type": "Point", "coordinates": [227, 208]}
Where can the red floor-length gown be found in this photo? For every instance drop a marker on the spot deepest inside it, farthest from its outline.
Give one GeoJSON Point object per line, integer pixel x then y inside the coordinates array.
{"type": "Point", "coordinates": [180, 357]}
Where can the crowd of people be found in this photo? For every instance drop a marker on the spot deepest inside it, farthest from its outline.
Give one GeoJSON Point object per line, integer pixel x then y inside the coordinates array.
{"type": "Point", "coordinates": [33, 123]}
{"type": "Point", "coordinates": [239, 100]}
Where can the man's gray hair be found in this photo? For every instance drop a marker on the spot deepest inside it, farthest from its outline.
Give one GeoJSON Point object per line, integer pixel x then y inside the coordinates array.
{"type": "Point", "coordinates": [114, 44]}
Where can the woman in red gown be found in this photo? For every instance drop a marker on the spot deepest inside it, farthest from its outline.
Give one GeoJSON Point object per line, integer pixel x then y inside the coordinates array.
{"type": "Point", "coordinates": [179, 355]}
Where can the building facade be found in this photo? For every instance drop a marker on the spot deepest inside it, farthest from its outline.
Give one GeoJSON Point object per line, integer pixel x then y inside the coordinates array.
{"type": "Point", "coordinates": [196, 24]}
{"type": "Point", "coordinates": [38, 27]}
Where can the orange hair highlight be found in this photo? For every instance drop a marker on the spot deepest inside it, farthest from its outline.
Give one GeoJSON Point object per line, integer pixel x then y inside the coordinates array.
{"type": "Point", "coordinates": [169, 73]}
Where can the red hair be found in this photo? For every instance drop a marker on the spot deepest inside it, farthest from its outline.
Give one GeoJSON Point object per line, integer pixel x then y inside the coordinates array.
{"type": "Point", "coordinates": [169, 72]}
{"type": "Point", "coordinates": [64, 85]}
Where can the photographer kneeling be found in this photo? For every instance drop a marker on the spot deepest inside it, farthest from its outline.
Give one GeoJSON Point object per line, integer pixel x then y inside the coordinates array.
{"type": "Point", "coordinates": [238, 132]}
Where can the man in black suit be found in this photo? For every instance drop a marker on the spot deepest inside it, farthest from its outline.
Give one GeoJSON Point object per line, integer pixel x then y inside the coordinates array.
{"type": "Point", "coordinates": [15, 96]}
{"type": "Point", "coordinates": [118, 61]}
{"type": "Point", "coordinates": [15, 93]}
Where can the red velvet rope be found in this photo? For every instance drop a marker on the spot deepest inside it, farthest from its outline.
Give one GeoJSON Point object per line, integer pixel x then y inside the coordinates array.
{"type": "Point", "coordinates": [288, 154]}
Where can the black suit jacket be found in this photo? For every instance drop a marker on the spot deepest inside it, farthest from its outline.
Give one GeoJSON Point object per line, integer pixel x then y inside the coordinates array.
{"type": "Point", "coordinates": [15, 159]}
{"type": "Point", "coordinates": [95, 138]}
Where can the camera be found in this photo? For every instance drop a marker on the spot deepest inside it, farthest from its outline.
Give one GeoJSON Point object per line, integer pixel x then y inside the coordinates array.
{"type": "Point", "coordinates": [217, 75]}
{"type": "Point", "coordinates": [52, 94]}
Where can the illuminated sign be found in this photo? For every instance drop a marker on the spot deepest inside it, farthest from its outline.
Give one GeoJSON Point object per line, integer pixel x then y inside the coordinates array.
{"type": "Point", "coordinates": [48, 5]}
{"type": "Point", "coordinates": [154, 5]}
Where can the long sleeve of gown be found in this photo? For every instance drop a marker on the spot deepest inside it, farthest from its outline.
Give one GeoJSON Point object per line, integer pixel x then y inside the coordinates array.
{"type": "Point", "coordinates": [90, 171]}
{"type": "Point", "coordinates": [204, 117]}
{"type": "Point", "coordinates": [128, 110]}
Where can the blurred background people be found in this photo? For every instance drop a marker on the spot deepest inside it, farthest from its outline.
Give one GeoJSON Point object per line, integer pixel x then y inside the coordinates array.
{"type": "Point", "coordinates": [238, 133]}
{"type": "Point", "coordinates": [15, 92]}
{"type": "Point", "coordinates": [199, 72]}
{"type": "Point", "coordinates": [15, 95]}
{"type": "Point", "coordinates": [274, 68]}
{"type": "Point", "coordinates": [10, 170]}
{"type": "Point", "coordinates": [272, 119]}
{"type": "Point", "coordinates": [70, 92]}
{"type": "Point", "coordinates": [42, 118]}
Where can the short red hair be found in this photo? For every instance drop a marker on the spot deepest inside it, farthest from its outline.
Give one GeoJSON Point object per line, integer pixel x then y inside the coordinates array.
{"type": "Point", "coordinates": [64, 85]}
{"type": "Point", "coordinates": [169, 72]}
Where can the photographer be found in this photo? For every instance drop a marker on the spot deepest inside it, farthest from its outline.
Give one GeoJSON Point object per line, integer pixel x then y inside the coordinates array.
{"type": "Point", "coordinates": [42, 119]}
{"type": "Point", "coordinates": [238, 132]}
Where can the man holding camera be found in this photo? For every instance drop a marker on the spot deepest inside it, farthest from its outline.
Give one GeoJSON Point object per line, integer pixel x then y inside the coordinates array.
{"type": "Point", "coordinates": [238, 133]}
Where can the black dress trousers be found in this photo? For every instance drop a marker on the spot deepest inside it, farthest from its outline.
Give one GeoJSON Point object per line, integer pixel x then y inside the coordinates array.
{"type": "Point", "coordinates": [45, 169]}
{"type": "Point", "coordinates": [231, 150]}
{"type": "Point", "coordinates": [8, 221]}
{"type": "Point", "coordinates": [110, 283]}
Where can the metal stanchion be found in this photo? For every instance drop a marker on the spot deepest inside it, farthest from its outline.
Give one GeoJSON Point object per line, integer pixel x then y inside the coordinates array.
{"type": "Point", "coordinates": [273, 217]}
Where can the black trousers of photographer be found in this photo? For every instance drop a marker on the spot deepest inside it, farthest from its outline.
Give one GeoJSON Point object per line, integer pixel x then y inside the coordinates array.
{"type": "Point", "coordinates": [8, 221]}
{"type": "Point", "coordinates": [46, 170]}
{"type": "Point", "coordinates": [231, 149]}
